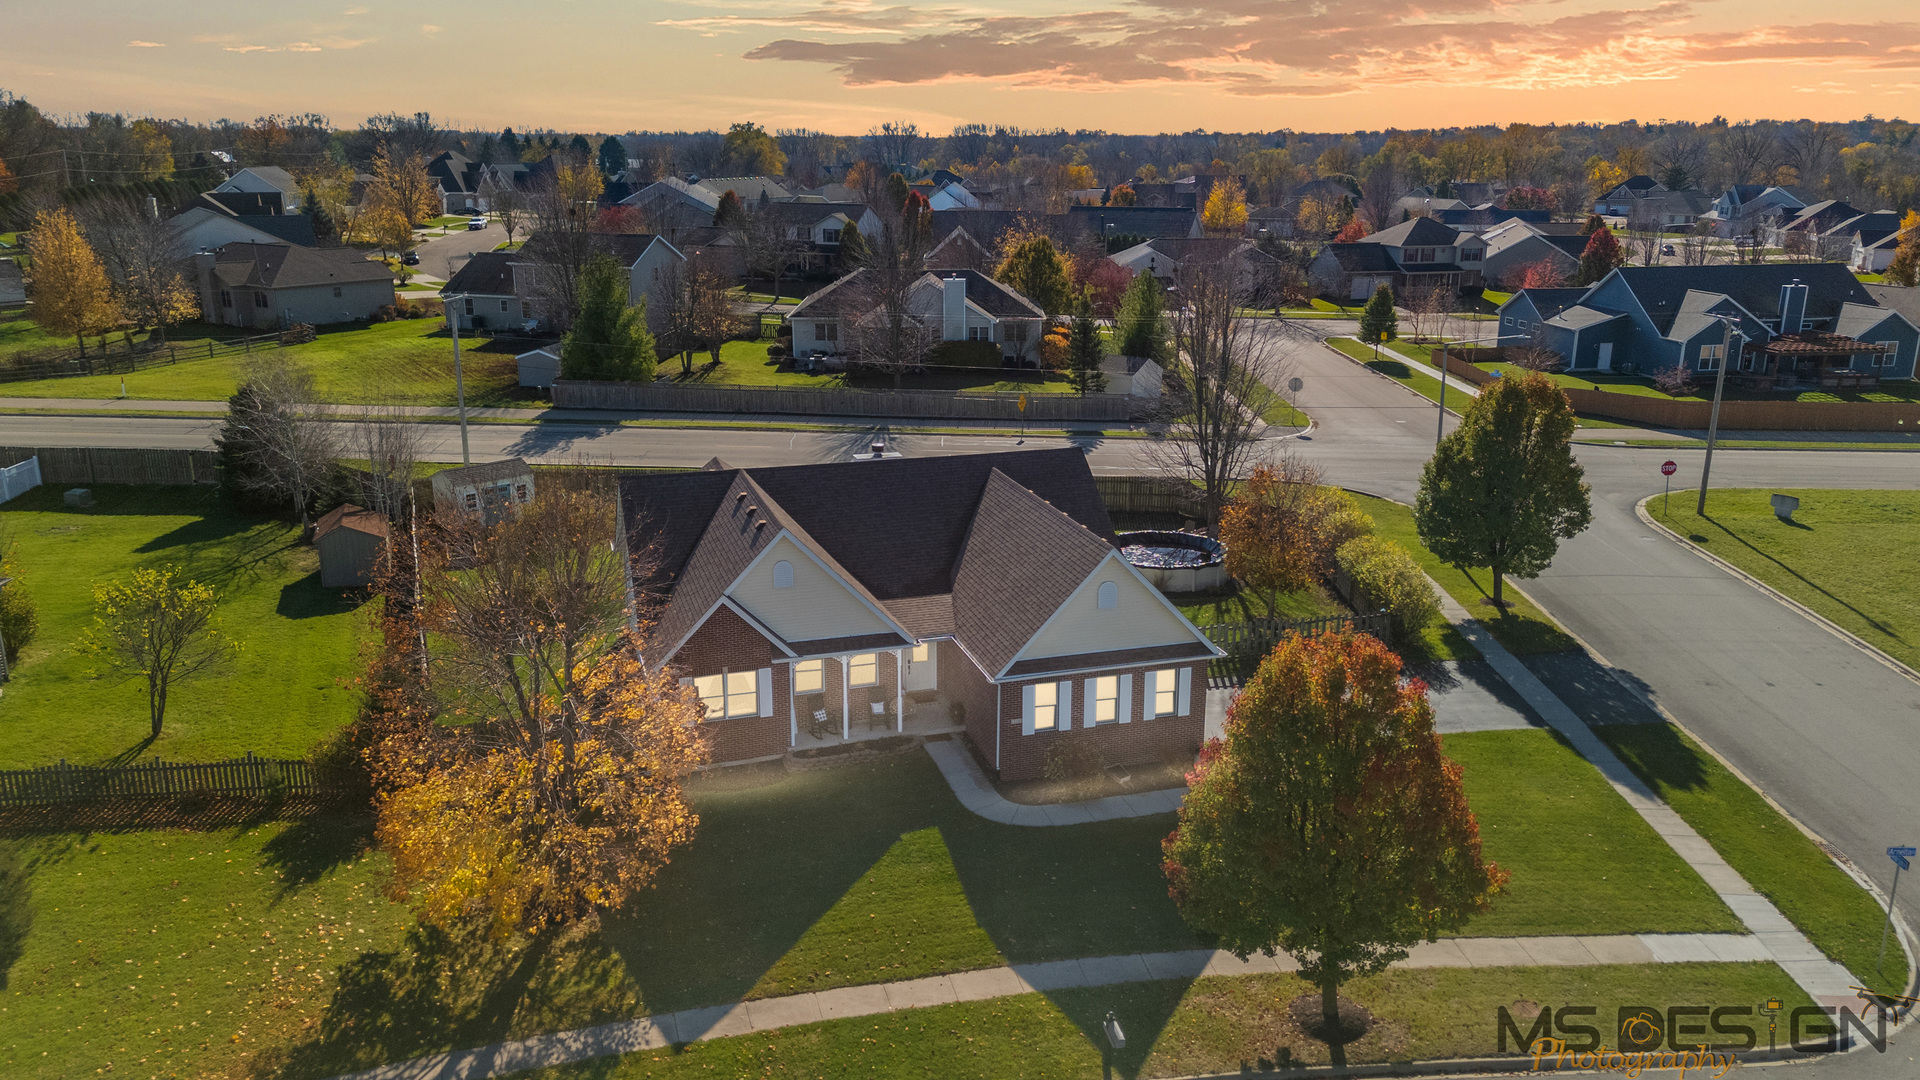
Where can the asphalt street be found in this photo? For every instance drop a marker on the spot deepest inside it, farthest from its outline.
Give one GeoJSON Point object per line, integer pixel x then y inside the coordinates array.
{"type": "Point", "coordinates": [1823, 728]}
{"type": "Point", "coordinates": [442, 256]}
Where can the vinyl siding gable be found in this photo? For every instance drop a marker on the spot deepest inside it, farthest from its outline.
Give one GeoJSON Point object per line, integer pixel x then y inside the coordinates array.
{"type": "Point", "coordinates": [1139, 619]}
{"type": "Point", "coordinates": [817, 605]}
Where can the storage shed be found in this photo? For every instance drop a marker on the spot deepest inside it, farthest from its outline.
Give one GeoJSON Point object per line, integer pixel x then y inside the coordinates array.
{"type": "Point", "coordinates": [489, 489]}
{"type": "Point", "coordinates": [350, 540]}
{"type": "Point", "coordinates": [539, 367]}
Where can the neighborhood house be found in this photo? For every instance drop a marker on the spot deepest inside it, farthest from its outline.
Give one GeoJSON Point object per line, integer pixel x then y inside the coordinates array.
{"type": "Point", "coordinates": [269, 286]}
{"type": "Point", "coordinates": [948, 305]}
{"type": "Point", "coordinates": [811, 605]}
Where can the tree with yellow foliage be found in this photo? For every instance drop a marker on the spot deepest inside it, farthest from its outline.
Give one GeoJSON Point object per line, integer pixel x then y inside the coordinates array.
{"type": "Point", "coordinates": [72, 296]}
{"type": "Point", "coordinates": [401, 188]}
{"type": "Point", "coordinates": [564, 795]}
{"type": "Point", "coordinates": [154, 150]}
{"type": "Point", "coordinates": [1905, 268]}
{"type": "Point", "coordinates": [1226, 208]}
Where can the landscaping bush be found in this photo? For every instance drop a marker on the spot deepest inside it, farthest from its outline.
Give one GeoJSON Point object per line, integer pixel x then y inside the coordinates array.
{"type": "Point", "coordinates": [976, 354]}
{"type": "Point", "coordinates": [1383, 570]}
{"type": "Point", "coordinates": [1054, 348]}
{"type": "Point", "coordinates": [19, 618]}
{"type": "Point", "coordinates": [1673, 380]}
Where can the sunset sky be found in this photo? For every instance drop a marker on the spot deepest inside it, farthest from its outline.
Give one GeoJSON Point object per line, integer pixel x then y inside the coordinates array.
{"type": "Point", "coordinates": [844, 65]}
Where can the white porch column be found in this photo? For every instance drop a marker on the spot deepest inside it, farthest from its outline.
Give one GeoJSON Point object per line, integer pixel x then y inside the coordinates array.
{"type": "Point", "coordinates": [846, 718]}
{"type": "Point", "coordinates": [793, 709]}
{"type": "Point", "coordinates": [899, 690]}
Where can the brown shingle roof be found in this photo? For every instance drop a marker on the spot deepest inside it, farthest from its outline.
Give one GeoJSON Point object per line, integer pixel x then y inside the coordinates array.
{"type": "Point", "coordinates": [289, 266]}
{"type": "Point", "coordinates": [353, 518]}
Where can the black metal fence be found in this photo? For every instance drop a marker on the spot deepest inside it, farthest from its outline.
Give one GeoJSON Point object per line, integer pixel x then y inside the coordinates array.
{"type": "Point", "coordinates": [125, 357]}
{"type": "Point", "coordinates": [249, 777]}
{"type": "Point", "coordinates": [1259, 635]}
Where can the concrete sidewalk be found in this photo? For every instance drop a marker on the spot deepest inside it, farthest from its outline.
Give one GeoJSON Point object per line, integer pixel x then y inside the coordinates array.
{"type": "Point", "coordinates": [767, 1014]}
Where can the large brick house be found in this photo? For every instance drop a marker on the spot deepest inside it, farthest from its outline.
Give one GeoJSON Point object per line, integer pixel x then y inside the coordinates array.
{"type": "Point", "coordinates": [979, 594]}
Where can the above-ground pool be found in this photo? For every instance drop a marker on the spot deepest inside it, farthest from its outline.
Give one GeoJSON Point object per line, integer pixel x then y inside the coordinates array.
{"type": "Point", "coordinates": [1176, 562]}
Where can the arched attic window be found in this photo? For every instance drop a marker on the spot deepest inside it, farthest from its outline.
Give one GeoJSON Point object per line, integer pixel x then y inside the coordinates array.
{"type": "Point", "coordinates": [1109, 595]}
{"type": "Point", "coordinates": [783, 575]}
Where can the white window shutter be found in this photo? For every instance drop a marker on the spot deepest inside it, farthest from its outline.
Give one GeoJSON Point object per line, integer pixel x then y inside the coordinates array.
{"type": "Point", "coordinates": [765, 691]}
{"type": "Point", "coordinates": [1087, 707]}
{"type": "Point", "coordinates": [1126, 698]}
{"type": "Point", "coordinates": [1026, 709]}
{"type": "Point", "coordinates": [1064, 695]}
{"type": "Point", "coordinates": [1183, 692]}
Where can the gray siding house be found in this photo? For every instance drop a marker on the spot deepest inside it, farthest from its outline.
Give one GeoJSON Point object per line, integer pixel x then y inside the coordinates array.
{"type": "Point", "coordinates": [1799, 325]}
{"type": "Point", "coordinates": [271, 286]}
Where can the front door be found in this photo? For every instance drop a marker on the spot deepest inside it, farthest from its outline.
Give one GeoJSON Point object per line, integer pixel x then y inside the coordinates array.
{"type": "Point", "coordinates": [1606, 356]}
{"type": "Point", "coordinates": [922, 671]}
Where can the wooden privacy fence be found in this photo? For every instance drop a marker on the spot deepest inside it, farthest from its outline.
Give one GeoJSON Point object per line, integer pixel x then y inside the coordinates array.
{"type": "Point", "coordinates": [1663, 412]}
{"type": "Point", "coordinates": [1150, 495]}
{"type": "Point", "coordinates": [1259, 635]}
{"type": "Point", "coordinates": [98, 465]}
{"type": "Point", "coordinates": [808, 401]}
{"type": "Point", "coordinates": [248, 777]}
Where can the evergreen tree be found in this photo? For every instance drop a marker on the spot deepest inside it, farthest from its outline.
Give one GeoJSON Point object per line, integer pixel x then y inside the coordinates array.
{"type": "Point", "coordinates": [855, 252]}
{"type": "Point", "coordinates": [1503, 490]}
{"type": "Point", "coordinates": [1140, 324]}
{"type": "Point", "coordinates": [609, 340]}
{"type": "Point", "coordinates": [1378, 321]}
{"type": "Point", "coordinates": [1085, 351]}
{"type": "Point", "coordinates": [613, 158]}
{"type": "Point", "coordinates": [1602, 256]}
{"type": "Point", "coordinates": [1593, 224]}
{"type": "Point", "coordinates": [580, 149]}
{"type": "Point", "coordinates": [323, 227]}
{"type": "Point", "coordinates": [1036, 270]}
{"type": "Point", "coordinates": [509, 146]}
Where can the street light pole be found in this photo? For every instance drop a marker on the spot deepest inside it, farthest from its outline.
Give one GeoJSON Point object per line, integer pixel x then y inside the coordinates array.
{"type": "Point", "coordinates": [1440, 421]}
{"type": "Point", "coordinates": [1713, 418]}
{"type": "Point", "coordinates": [459, 382]}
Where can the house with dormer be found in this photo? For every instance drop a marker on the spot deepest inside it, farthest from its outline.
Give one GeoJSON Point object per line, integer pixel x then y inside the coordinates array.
{"type": "Point", "coordinates": [1793, 325]}
{"type": "Point", "coordinates": [1417, 253]}
{"type": "Point", "coordinates": [948, 305]}
{"type": "Point", "coordinates": [976, 595]}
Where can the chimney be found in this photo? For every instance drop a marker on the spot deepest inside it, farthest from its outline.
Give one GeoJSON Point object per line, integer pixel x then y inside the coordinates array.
{"type": "Point", "coordinates": [953, 309]}
{"type": "Point", "coordinates": [1793, 307]}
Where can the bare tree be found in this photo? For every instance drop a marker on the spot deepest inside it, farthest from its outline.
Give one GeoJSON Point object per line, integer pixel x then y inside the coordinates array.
{"type": "Point", "coordinates": [1427, 305]}
{"type": "Point", "coordinates": [140, 252]}
{"type": "Point", "coordinates": [276, 440]}
{"type": "Point", "coordinates": [768, 246]}
{"type": "Point", "coordinates": [1380, 193]}
{"type": "Point", "coordinates": [563, 223]}
{"type": "Point", "coordinates": [1218, 380]}
{"type": "Point", "coordinates": [390, 442]}
{"type": "Point", "coordinates": [1811, 148]}
{"type": "Point", "coordinates": [893, 143]}
{"type": "Point", "coordinates": [1697, 247]}
{"type": "Point", "coordinates": [507, 202]}
{"type": "Point", "coordinates": [1535, 355]}
{"type": "Point", "coordinates": [1752, 151]}
{"type": "Point", "coordinates": [883, 331]}
{"type": "Point", "coordinates": [1680, 155]}
{"type": "Point", "coordinates": [1643, 231]}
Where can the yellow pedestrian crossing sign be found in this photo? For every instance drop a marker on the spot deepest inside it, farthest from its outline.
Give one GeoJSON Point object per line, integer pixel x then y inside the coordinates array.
{"type": "Point", "coordinates": [1023, 402]}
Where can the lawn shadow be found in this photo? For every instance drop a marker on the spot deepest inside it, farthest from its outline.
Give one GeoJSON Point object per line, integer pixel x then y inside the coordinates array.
{"type": "Point", "coordinates": [16, 909]}
{"type": "Point", "coordinates": [1393, 369]}
{"type": "Point", "coordinates": [1802, 578]}
{"type": "Point", "coordinates": [197, 533]}
{"type": "Point", "coordinates": [130, 755]}
{"type": "Point", "coordinates": [308, 599]}
{"type": "Point", "coordinates": [1658, 754]}
{"type": "Point", "coordinates": [556, 438]}
{"type": "Point", "coordinates": [1142, 1010]}
{"type": "Point", "coordinates": [310, 847]}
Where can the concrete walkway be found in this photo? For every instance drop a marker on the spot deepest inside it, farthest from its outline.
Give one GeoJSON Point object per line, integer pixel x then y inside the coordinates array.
{"type": "Point", "coordinates": [976, 793]}
{"type": "Point", "coordinates": [766, 1014]}
{"type": "Point", "coordinates": [1826, 982]}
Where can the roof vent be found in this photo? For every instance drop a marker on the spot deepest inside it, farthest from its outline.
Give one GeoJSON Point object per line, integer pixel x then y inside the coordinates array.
{"type": "Point", "coordinates": [738, 495]}
{"type": "Point", "coordinates": [753, 509]}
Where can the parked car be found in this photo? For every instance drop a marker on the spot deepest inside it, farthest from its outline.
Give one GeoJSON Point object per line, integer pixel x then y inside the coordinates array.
{"type": "Point", "coordinates": [411, 258]}
{"type": "Point", "coordinates": [1666, 249]}
{"type": "Point", "coordinates": [476, 222]}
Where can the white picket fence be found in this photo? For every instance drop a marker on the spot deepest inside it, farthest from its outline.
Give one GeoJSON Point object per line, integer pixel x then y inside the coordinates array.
{"type": "Point", "coordinates": [19, 479]}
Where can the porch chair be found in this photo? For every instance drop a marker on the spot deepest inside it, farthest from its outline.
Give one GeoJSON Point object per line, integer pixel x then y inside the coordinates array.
{"type": "Point", "coordinates": [879, 718]}
{"type": "Point", "coordinates": [818, 725]}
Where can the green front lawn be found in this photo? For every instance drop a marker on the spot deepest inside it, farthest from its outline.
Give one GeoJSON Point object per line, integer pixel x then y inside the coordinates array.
{"type": "Point", "coordinates": [281, 694]}
{"type": "Point", "coordinates": [1522, 628]}
{"type": "Point", "coordinates": [409, 361]}
{"type": "Point", "coordinates": [1776, 858]}
{"type": "Point", "coordinates": [1580, 856]}
{"type": "Point", "coordinates": [1236, 604]}
{"type": "Point", "coordinates": [746, 363]}
{"type": "Point", "coordinates": [1210, 1026]}
{"type": "Point", "coordinates": [1852, 556]}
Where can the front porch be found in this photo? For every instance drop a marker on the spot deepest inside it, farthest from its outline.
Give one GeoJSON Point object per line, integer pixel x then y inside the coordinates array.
{"type": "Point", "coordinates": [853, 697]}
{"type": "Point", "coordinates": [926, 713]}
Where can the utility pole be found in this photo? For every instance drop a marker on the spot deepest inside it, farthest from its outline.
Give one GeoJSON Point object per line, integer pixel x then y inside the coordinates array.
{"type": "Point", "coordinates": [459, 384]}
{"type": "Point", "coordinates": [1713, 418]}
{"type": "Point", "coordinates": [1440, 422]}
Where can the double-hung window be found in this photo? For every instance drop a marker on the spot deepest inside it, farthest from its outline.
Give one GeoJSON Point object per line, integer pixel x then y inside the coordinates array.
{"type": "Point", "coordinates": [1046, 707]}
{"type": "Point", "coordinates": [810, 677]}
{"type": "Point", "coordinates": [1891, 356]}
{"type": "Point", "coordinates": [864, 670]}
{"type": "Point", "coordinates": [1162, 686]}
{"type": "Point", "coordinates": [1104, 706]}
{"type": "Point", "coordinates": [1710, 357]}
{"type": "Point", "coordinates": [730, 693]}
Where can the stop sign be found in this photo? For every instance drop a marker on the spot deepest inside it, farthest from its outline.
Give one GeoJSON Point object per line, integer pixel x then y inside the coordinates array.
{"type": "Point", "coordinates": [1668, 469]}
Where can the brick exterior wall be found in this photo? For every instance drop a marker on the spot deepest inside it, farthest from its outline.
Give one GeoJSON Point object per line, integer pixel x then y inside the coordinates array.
{"type": "Point", "coordinates": [1024, 757]}
{"type": "Point", "coordinates": [961, 681]}
{"type": "Point", "coordinates": [726, 642]}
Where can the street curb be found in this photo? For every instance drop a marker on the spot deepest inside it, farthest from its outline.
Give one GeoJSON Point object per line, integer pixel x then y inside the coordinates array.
{"type": "Point", "coordinates": [1640, 509]}
{"type": "Point", "coordinates": [1363, 367]}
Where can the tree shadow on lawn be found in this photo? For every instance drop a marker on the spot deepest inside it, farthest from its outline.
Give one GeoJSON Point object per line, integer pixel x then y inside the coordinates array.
{"type": "Point", "coordinates": [306, 598]}
{"type": "Point", "coordinates": [1658, 754]}
{"type": "Point", "coordinates": [310, 847]}
{"type": "Point", "coordinates": [1798, 576]}
{"type": "Point", "coordinates": [16, 908]}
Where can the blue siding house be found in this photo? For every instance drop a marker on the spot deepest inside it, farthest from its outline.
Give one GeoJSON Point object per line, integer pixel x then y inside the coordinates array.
{"type": "Point", "coordinates": [1796, 325]}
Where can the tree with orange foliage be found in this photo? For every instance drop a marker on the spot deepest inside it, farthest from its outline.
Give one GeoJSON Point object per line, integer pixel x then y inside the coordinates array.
{"type": "Point", "coordinates": [1327, 823]}
{"type": "Point", "coordinates": [1354, 230]}
{"type": "Point", "coordinates": [1905, 267]}
{"type": "Point", "coordinates": [1282, 529]}
{"type": "Point", "coordinates": [8, 184]}
{"type": "Point", "coordinates": [564, 795]}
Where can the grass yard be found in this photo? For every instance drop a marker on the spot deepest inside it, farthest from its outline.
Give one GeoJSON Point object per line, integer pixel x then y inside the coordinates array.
{"type": "Point", "coordinates": [1852, 556]}
{"type": "Point", "coordinates": [1238, 605]}
{"type": "Point", "coordinates": [1764, 847]}
{"type": "Point", "coordinates": [277, 698]}
{"type": "Point", "coordinates": [1522, 628]}
{"type": "Point", "coordinates": [1580, 856]}
{"type": "Point", "coordinates": [409, 361]}
{"type": "Point", "coordinates": [1208, 1026]}
{"type": "Point", "coordinates": [746, 363]}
